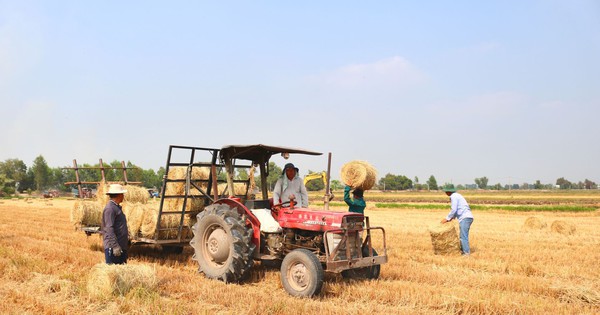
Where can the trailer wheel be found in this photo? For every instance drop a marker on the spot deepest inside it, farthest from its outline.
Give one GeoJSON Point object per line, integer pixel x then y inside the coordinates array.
{"type": "Point", "coordinates": [365, 272]}
{"type": "Point", "coordinates": [302, 273]}
{"type": "Point", "coordinates": [222, 244]}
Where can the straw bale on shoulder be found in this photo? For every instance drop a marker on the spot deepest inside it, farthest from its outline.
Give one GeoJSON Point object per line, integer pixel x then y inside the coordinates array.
{"type": "Point", "coordinates": [534, 223]}
{"type": "Point", "coordinates": [105, 280]}
{"type": "Point", "coordinates": [359, 174]}
{"type": "Point", "coordinates": [444, 239]}
{"type": "Point", "coordinates": [562, 227]}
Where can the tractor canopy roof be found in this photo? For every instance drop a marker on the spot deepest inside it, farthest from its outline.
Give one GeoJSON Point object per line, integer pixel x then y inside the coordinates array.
{"type": "Point", "coordinates": [259, 153]}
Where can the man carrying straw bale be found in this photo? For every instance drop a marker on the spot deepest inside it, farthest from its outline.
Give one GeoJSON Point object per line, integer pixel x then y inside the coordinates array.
{"type": "Point", "coordinates": [356, 204]}
{"type": "Point", "coordinates": [115, 233]}
{"type": "Point", "coordinates": [459, 209]}
{"type": "Point", "coordinates": [290, 187]}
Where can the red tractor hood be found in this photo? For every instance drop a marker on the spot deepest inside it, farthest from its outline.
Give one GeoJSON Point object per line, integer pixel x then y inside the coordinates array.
{"type": "Point", "coordinates": [313, 220]}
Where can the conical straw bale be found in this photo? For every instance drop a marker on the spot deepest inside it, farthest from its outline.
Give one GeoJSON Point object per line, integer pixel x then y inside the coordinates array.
{"type": "Point", "coordinates": [534, 223]}
{"type": "Point", "coordinates": [359, 174]}
{"type": "Point", "coordinates": [562, 227]}
{"type": "Point", "coordinates": [105, 281]}
{"type": "Point", "coordinates": [86, 213]}
{"type": "Point", "coordinates": [444, 239]}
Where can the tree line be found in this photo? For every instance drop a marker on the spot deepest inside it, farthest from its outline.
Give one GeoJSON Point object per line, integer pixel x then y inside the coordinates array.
{"type": "Point", "coordinates": [15, 175]}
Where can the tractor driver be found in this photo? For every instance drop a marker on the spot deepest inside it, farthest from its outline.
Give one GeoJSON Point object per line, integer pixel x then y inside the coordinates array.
{"type": "Point", "coordinates": [290, 187]}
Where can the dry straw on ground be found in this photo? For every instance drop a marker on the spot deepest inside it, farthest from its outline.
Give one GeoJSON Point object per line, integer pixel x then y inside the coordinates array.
{"type": "Point", "coordinates": [105, 280]}
{"type": "Point", "coordinates": [534, 223]}
{"type": "Point", "coordinates": [562, 227]}
{"type": "Point", "coordinates": [444, 239]}
{"type": "Point", "coordinates": [359, 174]}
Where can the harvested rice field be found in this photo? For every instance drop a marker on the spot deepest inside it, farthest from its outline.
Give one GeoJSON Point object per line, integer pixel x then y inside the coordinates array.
{"type": "Point", "coordinates": [518, 265]}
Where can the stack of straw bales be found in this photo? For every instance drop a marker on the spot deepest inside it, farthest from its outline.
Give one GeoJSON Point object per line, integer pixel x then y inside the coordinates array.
{"type": "Point", "coordinates": [562, 227]}
{"type": "Point", "coordinates": [86, 213]}
{"type": "Point", "coordinates": [444, 239]}
{"type": "Point", "coordinates": [105, 280]}
{"type": "Point", "coordinates": [534, 223]}
{"type": "Point", "coordinates": [359, 174]}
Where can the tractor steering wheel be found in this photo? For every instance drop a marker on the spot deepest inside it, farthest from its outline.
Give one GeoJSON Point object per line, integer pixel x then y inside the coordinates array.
{"type": "Point", "coordinates": [281, 205]}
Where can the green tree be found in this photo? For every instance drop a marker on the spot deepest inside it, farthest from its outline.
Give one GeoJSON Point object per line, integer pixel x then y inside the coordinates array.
{"type": "Point", "coordinates": [14, 169]}
{"type": "Point", "coordinates": [395, 182]}
{"type": "Point", "coordinates": [563, 183]}
{"type": "Point", "coordinates": [481, 182]}
{"type": "Point", "coordinates": [315, 184]}
{"type": "Point", "coordinates": [3, 185]}
{"type": "Point", "coordinates": [242, 174]}
{"type": "Point", "coordinates": [41, 173]}
{"type": "Point", "coordinates": [274, 173]}
{"type": "Point", "coordinates": [336, 184]}
{"type": "Point", "coordinates": [432, 183]}
{"type": "Point", "coordinates": [538, 185]}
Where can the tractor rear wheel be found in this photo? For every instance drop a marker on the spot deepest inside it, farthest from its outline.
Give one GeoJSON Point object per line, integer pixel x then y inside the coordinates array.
{"type": "Point", "coordinates": [302, 273]}
{"type": "Point", "coordinates": [365, 272]}
{"type": "Point", "coordinates": [222, 244]}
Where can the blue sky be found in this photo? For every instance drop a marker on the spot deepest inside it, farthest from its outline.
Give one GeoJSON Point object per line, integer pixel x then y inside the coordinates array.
{"type": "Point", "coordinates": [509, 90]}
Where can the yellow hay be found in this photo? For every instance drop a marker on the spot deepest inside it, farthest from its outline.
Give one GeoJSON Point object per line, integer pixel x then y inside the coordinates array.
{"type": "Point", "coordinates": [86, 213]}
{"type": "Point", "coordinates": [148, 228]}
{"type": "Point", "coordinates": [47, 283]}
{"type": "Point", "coordinates": [562, 227]}
{"type": "Point", "coordinates": [101, 195]}
{"type": "Point", "coordinates": [238, 188]}
{"type": "Point", "coordinates": [359, 174]}
{"type": "Point", "coordinates": [136, 194]}
{"type": "Point", "coordinates": [444, 239]}
{"type": "Point", "coordinates": [134, 212]}
{"type": "Point", "coordinates": [178, 188]}
{"type": "Point", "coordinates": [105, 280]}
{"type": "Point", "coordinates": [534, 223]}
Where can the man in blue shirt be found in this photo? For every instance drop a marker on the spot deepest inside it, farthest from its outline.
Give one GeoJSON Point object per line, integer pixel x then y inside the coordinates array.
{"type": "Point", "coordinates": [459, 209]}
{"type": "Point", "coordinates": [115, 234]}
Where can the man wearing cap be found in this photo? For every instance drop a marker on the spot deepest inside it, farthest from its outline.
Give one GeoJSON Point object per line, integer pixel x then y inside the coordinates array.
{"type": "Point", "coordinates": [459, 209]}
{"type": "Point", "coordinates": [356, 204]}
{"type": "Point", "coordinates": [290, 186]}
{"type": "Point", "coordinates": [114, 227]}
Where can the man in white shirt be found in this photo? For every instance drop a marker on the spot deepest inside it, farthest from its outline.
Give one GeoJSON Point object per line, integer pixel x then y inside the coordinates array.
{"type": "Point", "coordinates": [459, 209]}
{"type": "Point", "coordinates": [290, 187]}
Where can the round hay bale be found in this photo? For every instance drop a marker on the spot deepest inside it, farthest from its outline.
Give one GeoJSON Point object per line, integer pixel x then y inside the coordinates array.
{"type": "Point", "coordinates": [562, 227]}
{"type": "Point", "coordinates": [444, 239]}
{"type": "Point", "coordinates": [105, 280]}
{"type": "Point", "coordinates": [359, 174]}
{"type": "Point", "coordinates": [136, 194]}
{"type": "Point", "coordinates": [86, 213]}
{"type": "Point", "coordinates": [534, 223]}
{"type": "Point", "coordinates": [134, 212]}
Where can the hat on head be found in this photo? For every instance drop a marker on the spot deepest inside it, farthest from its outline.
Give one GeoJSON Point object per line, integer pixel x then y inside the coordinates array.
{"type": "Point", "coordinates": [358, 192]}
{"type": "Point", "coordinates": [115, 189]}
{"type": "Point", "coordinates": [289, 165]}
{"type": "Point", "coordinates": [449, 188]}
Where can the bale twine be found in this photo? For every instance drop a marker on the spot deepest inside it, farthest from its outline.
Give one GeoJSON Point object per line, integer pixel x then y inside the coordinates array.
{"type": "Point", "coordinates": [562, 227]}
{"type": "Point", "coordinates": [111, 280]}
{"type": "Point", "coordinates": [86, 213]}
{"type": "Point", "coordinates": [444, 239]}
{"type": "Point", "coordinates": [534, 223]}
{"type": "Point", "coordinates": [359, 174]}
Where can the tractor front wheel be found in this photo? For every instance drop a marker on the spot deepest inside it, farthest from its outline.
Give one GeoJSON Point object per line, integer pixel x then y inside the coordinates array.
{"type": "Point", "coordinates": [302, 273]}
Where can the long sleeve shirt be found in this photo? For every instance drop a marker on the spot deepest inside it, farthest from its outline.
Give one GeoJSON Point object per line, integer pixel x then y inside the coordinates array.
{"type": "Point", "coordinates": [357, 205]}
{"type": "Point", "coordinates": [285, 187]}
{"type": "Point", "coordinates": [114, 227]}
{"type": "Point", "coordinates": [459, 208]}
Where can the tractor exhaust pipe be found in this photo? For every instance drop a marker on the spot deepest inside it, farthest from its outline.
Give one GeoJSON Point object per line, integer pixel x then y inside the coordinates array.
{"type": "Point", "coordinates": [327, 187]}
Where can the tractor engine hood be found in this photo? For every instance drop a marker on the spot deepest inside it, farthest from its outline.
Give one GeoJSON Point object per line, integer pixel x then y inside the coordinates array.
{"type": "Point", "coordinates": [316, 220]}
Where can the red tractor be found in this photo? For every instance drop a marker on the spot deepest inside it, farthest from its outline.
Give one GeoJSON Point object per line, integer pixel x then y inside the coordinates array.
{"type": "Point", "coordinates": [235, 231]}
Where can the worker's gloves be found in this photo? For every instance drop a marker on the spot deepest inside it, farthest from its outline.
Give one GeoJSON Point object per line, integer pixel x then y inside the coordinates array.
{"type": "Point", "coordinates": [117, 251]}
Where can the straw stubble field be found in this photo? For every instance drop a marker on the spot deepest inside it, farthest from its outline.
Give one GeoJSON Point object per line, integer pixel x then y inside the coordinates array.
{"type": "Point", "coordinates": [45, 265]}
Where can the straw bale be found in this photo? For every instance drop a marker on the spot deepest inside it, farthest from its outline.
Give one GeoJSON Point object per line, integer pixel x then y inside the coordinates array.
{"type": "Point", "coordinates": [134, 212]}
{"type": "Point", "coordinates": [105, 280]}
{"type": "Point", "coordinates": [359, 174]}
{"type": "Point", "coordinates": [562, 227]}
{"type": "Point", "coordinates": [534, 223]}
{"type": "Point", "coordinates": [136, 194]}
{"type": "Point", "coordinates": [178, 188]}
{"type": "Point", "coordinates": [238, 188]}
{"type": "Point", "coordinates": [444, 239]}
{"type": "Point", "coordinates": [101, 195]}
{"type": "Point", "coordinates": [46, 283]}
{"type": "Point", "coordinates": [148, 228]}
{"type": "Point", "coordinates": [86, 213]}
{"type": "Point", "coordinates": [577, 294]}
